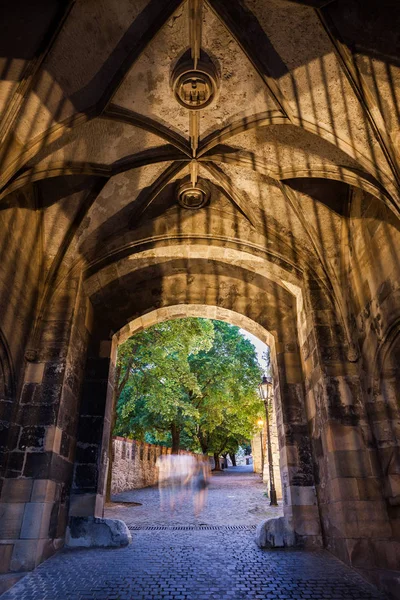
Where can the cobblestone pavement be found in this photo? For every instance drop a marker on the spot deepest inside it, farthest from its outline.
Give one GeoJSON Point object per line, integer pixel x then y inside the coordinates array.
{"type": "Point", "coordinates": [192, 565]}
{"type": "Point", "coordinates": [235, 496]}
{"type": "Point", "coordinates": [197, 564]}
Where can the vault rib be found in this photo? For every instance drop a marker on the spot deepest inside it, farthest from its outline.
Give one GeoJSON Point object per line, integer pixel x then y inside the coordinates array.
{"type": "Point", "coordinates": [112, 113]}
{"type": "Point", "coordinates": [328, 270]}
{"type": "Point", "coordinates": [275, 118]}
{"type": "Point", "coordinates": [148, 157]}
{"type": "Point", "coordinates": [69, 168]}
{"type": "Point", "coordinates": [239, 126]}
{"type": "Point", "coordinates": [235, 197]}
{"type": "Point", "coordinates": [142, 204]}
{"type": "Point", "coordinates": [30, 74]}
{"type": "Point", "coordinates": [247, 159]}
{"type": "Point", "coordinates": [124, 115]}
{"type": "Point", "coordinates": [363, 93]}
{"type": "Point", "coordinates": [195, 18]}
{"type": "Point", "coordinates": [233, 16]}
{"type": "Point", "coordinates": [157, 12]}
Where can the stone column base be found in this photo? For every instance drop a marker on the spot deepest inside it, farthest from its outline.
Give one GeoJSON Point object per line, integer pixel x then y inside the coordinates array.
{"type": "Point", "coordinates": [93, 532]}
{"type": "Point", "coordinates": [275, 533]}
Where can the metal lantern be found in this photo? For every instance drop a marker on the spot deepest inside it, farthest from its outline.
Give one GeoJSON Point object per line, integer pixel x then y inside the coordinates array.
{"type": "Point", "coordinates": [265, 388]}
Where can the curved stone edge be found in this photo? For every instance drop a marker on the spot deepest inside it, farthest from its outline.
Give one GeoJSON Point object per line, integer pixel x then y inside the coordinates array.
{"type": "Point", "coordinates": [275, 533]}
{"type": "Point", "coordinates": [93, 532]}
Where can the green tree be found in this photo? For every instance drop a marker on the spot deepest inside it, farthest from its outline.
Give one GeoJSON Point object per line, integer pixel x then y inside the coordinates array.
{"type": "Point", "coordinates": [190, 382]}
{"type": "Point", "coordinates": [227, 376]}
{"type": "Point", "coordinates": [155, 382]}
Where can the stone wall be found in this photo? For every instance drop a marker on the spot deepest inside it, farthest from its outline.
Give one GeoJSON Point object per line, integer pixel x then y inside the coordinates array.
{"type": "Point", "coordinates": [374, 273]}
{"type": "Point", "coordinates": [352, 396]}
{"type": "Point", "coordinates": [257, 459]}
{"type": "Point", "coordinates": [134, 464]}
{"type": "Point", "coordinates": [20, 243]}
{"type": "Point", "coordinates": [256, 454]}
{"type": "Point", "coordinates": [41, 444]}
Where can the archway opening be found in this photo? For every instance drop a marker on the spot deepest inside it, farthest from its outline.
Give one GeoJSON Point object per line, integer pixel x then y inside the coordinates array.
{"type": "Point", "coordinates": [203, 285]}
{"type": "Point", "coordinates": [186, 391]}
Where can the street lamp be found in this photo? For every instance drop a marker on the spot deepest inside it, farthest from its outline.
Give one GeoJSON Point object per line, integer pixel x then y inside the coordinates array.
{"type": "Point", "coordinates": [265, 392]}
{"type": "Point", "coordinates": [260, 423]}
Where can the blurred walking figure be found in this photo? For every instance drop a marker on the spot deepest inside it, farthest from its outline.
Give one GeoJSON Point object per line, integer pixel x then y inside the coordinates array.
{"type": "Point", "coordinates": [179, 477]}
{"type": "Point", "coordinates": [164, 470]}
{"type": "Point", "coordinates": [200, 484]}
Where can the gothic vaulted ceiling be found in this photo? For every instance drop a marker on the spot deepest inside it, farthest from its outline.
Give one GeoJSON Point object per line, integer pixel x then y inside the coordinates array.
{"type": "Point", "coordinates": [265, 115]}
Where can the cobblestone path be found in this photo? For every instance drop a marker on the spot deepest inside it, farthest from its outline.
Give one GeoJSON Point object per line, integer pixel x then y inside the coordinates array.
{"type": "Point", "coordinates": [235, 496]}
{"type": "Point", "coordinates": [192, 565]}
{"type": "Point", "coordinates": [195, 564]}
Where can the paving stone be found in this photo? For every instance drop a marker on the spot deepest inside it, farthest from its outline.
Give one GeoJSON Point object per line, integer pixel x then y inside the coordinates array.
{"type": "Point", "coordinates": [194, 564]}
{"type": "Point", "coordinates": [235, 496]}
{"type": "Point", "coordinates": [154, 567]}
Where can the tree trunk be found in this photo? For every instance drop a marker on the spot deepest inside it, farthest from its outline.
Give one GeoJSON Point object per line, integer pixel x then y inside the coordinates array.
{"type": "Point", "coordinates": [233, 458]}
{"type": "Point", "coordinates": [217, 462]}
{"type": "Point", "coordinates": [203, 441]}
{"type": "Point", "coordinates": [176, 435]}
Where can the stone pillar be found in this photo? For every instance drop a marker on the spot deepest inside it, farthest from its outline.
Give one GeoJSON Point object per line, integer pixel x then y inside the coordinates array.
{"type": "Point", "coordinates": [34, 497]}
{"type": "Point", "coordinates": [296, 464]}
{"type": "Point", "coordinates": [383, 409]}
{"type": "Point", "coordinates": [91, 460]}
{"type": "Point", "coordinates": [86, 525]}
{"type": "Point", "coordinates": [349, 486]}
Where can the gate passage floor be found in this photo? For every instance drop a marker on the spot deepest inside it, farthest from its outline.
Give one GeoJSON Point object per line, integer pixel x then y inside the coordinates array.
{"type": "Point", "coordinates": [234, 497]}
{"type": "Point", "coordinates": [184, 559]}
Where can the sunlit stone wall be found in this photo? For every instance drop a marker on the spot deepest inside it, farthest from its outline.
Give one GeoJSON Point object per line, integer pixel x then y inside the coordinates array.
{"type": "Point", "coordinates": [134, 464]}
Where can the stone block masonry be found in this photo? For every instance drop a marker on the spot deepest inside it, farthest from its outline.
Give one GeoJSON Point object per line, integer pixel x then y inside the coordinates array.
{"type": "Point", "coordinates": [258, 460]}
{"type": "Point", "coordinates": [134, 464]}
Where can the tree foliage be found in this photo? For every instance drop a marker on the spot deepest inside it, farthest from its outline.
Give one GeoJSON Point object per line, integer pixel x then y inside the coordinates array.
{"type": "Point", "coordinates": [154, 377]}
{"type": "Point", "coordinates": [227, 376]}
{"type": "Point", "coordinates": [188, 383]}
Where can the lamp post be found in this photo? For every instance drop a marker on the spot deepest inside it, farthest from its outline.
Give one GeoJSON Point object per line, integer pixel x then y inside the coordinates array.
{"type": "Point", "coordinates": [265, 392]}
{"type": "Point", "coordinates": [260, 423]}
